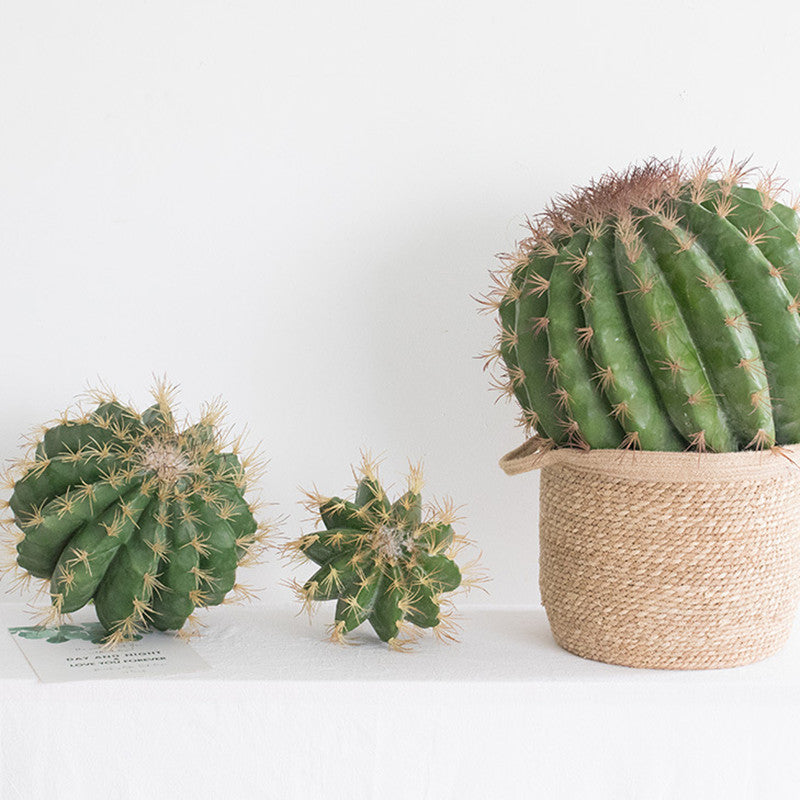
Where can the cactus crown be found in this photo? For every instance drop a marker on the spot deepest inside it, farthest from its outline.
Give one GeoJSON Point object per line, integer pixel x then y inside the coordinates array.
{"type": "Point", "coordinates": [656, 308]}
{"type": "Point", "coordinates": [146, 518]}
{"type": "Point", "coordinates": [390, 564]}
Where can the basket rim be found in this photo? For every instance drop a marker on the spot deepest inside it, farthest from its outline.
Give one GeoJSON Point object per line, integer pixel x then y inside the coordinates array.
{"type": "Point", "coordinates": [685, 466]}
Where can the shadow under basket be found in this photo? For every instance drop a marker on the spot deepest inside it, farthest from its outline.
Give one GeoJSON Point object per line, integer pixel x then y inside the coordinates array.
{"type": "Point", "coordinates": [667, 560]}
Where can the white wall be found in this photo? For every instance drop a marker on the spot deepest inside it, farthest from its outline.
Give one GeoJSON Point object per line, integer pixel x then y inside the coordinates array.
{"type": "Point", "coordinates": [291, 203]}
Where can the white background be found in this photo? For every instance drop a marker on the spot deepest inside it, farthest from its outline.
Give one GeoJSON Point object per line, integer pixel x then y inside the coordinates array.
{"type": "Point", "coordinates": [290, 204]}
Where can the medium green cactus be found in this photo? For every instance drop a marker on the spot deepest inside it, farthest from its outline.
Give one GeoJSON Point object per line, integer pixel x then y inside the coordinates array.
{"type": "Point", "coordinates": [123, 509]}
{"type": "Point", "coordinates": [389, 564]}
{"type": "Point", "coordinates": [656, 309]}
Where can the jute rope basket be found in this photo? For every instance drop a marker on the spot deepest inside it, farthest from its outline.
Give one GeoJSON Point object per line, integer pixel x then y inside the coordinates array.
{"type": "Point", "coordinates": [667, 560]}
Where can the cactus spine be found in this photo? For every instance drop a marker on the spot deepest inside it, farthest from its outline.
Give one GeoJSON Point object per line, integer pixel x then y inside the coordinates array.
{"type": "Point", "coordinates": [389, 564]}
{"type": "Point", "coordinates": [656, 309]}
{"type": "Point", "coordinates": [123, 509]}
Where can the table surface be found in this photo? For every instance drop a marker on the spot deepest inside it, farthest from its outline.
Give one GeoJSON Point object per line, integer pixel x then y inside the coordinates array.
{"type": "Point", "coordinates": [509, 644]}
{"type": "Point", "coordinates": [503, 712]}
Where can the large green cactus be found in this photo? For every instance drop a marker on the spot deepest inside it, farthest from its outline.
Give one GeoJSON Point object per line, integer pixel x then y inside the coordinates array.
{"type": "Point", "coordinates": [389, 564]}
{"type": "Point", "coordinates": [125, 510]}
{"type": "Point", "coordinates": [657, 309]}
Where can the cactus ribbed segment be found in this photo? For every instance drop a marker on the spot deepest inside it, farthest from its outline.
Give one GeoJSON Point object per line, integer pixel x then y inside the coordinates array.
{"type": "Point", "coordinates": [621, 371]}
{"type": "Point", "coordinates": [762, 227]}
{"type": "Point", "coordinates": [658, 309]}
{"type": "Point", "coordinates": [531, 348]}
{"type": "Point", "coordinates": [668, 348]}
{"type": "Point", "coordinates": [585, 412]}
{"type": "Point", "coordinates": [715, 318]}
{"type": "Point", "coordinates": [770, 310]}
{"type": "Point", "coordinates": [508, 351]}
{"type": "Point", "coordinates": [389, 564]}
{"type": "Point", "coordinates": [124, 509]}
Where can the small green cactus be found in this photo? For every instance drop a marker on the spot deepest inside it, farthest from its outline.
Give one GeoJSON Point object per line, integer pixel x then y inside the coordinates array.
{"type": "Point", "coordinates": [656, 309]}
{"type": "Point", "coordinates": [124, 510]}
{"type": "Point", "coordinates": [389, 564]}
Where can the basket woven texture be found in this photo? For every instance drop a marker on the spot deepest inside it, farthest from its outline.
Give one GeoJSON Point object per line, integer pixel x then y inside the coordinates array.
{"type": "Point", "coordinates": [667, 560]}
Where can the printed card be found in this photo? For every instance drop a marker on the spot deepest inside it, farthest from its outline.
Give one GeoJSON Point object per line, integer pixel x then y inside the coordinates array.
{"type": "Point", "coordinates": [75, 652]}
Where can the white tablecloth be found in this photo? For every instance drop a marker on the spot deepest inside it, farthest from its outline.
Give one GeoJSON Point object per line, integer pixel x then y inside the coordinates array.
{"type": "Point", "coordinates": [503, 714]}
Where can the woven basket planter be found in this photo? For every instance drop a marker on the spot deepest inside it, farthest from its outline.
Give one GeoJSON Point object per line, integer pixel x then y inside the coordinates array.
{"type": "Point", "coordinates": [667, 560]}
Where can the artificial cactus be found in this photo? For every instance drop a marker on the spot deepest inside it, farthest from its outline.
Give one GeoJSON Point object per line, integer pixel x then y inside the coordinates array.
{"type": "Point", "coordinates": [125, 510]}
{"type": "Point", "coordinates": [656, 309]}
{"type": "Point", "coordinates": [389, 564]}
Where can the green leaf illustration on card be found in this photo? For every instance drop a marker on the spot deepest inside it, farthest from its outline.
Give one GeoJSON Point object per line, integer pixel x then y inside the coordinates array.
{"type": "Point", "coordinates": [90, 632]}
